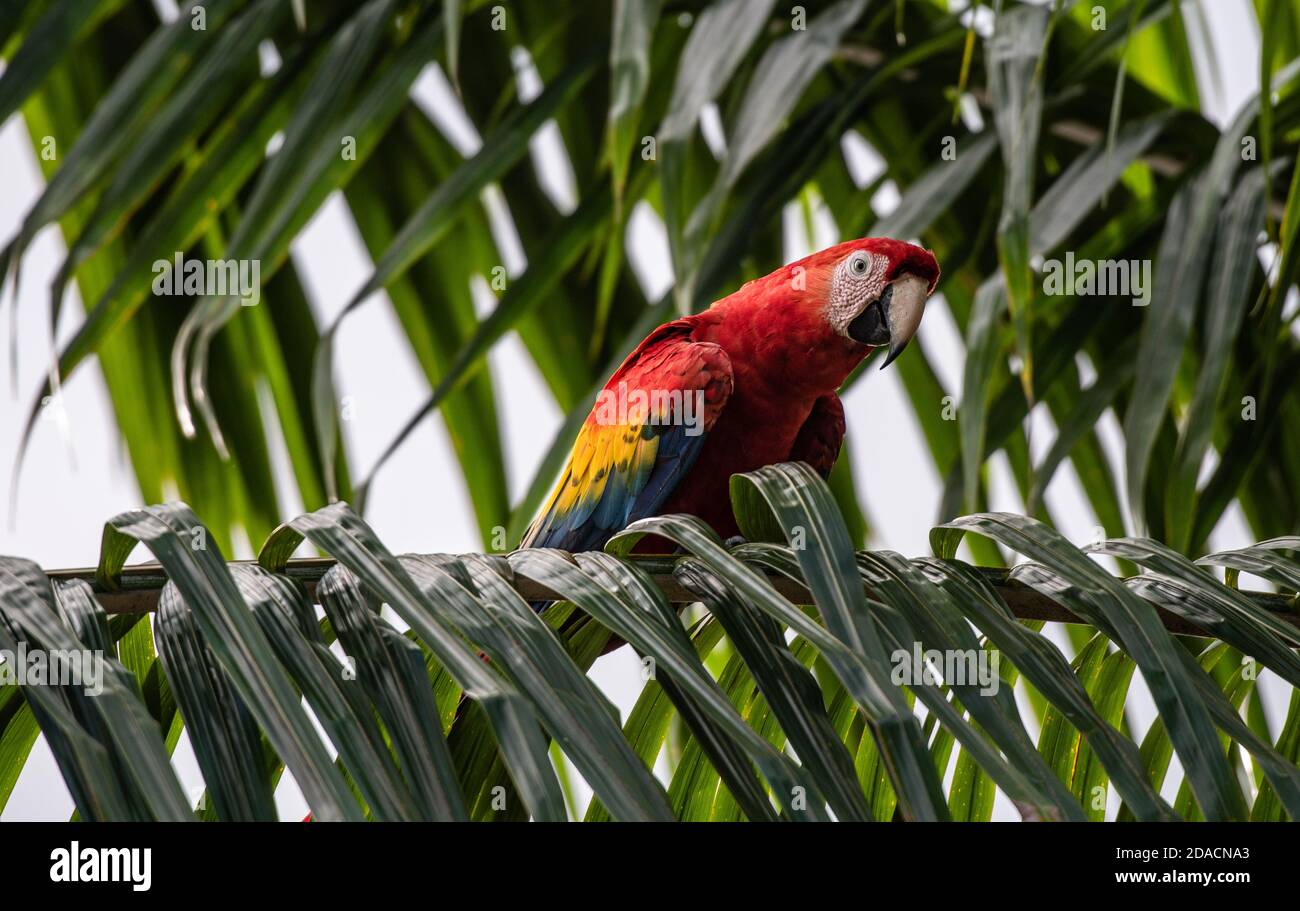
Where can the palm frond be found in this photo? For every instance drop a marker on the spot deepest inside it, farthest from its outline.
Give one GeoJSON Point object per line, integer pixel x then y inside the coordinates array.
{"type": "Point", "coordinates": [238, 644]}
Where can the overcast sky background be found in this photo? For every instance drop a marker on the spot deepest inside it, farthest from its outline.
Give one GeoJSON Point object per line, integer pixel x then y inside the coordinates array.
{"type": "Point", "coordinates": [72, 483]}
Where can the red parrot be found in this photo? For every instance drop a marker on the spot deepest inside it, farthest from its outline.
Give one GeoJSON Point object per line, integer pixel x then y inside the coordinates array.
{"type": "Point", "coordinates": [749, 382]}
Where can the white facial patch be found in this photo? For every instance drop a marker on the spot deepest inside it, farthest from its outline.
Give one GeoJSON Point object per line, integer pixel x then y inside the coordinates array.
{"type": "Point", "coordinates": [858, 280]}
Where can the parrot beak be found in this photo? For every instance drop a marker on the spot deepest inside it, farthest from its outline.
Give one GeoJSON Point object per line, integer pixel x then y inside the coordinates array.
{"type": "Point", "coordinates": [902, 304]}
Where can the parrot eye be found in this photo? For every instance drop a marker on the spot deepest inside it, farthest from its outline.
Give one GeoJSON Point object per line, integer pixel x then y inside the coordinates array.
{"type": "Point", "coordinates": [858, 265]}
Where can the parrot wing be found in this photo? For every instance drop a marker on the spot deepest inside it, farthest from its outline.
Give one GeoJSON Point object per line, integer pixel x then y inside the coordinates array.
{"type": "Point", "coordinates": [821, 436]}
{"type": "Point", "coordinates": [628, 458]}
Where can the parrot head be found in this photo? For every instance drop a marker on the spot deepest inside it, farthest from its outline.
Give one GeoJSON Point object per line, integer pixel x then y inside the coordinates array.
{"type": "Point", "coordinates": [807, 325]}
{"type": "Point", "coordinates": [874, 290]}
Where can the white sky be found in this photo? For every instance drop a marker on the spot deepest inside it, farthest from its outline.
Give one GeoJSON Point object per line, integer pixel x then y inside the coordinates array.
{"type": "Point", "coordinates": [73, 482]}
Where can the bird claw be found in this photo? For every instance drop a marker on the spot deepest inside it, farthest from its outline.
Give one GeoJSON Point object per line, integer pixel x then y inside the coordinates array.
{"type": "Point", "coordinates": [735, 541]}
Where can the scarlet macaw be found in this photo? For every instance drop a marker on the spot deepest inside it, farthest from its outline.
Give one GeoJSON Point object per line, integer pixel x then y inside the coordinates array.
{"type": "Point", "coordinates": [749, 382]}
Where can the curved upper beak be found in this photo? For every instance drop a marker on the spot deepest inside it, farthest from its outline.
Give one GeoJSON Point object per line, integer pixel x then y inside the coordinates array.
{"type": "Point", "coordinates": [903, 312]}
